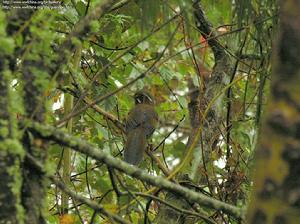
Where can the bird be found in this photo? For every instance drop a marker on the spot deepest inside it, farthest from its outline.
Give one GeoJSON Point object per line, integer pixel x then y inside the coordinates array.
{"type": "Point", "coordinates": [140, 124]}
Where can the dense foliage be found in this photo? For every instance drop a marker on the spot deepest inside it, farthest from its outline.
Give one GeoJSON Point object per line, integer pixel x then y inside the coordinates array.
{"type": "Point", "coordinates": [86, 62]}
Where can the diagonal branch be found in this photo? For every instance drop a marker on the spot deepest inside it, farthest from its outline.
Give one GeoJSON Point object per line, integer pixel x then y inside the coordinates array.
{"type": "Point", "coordinates": [79, 145]}
{"type": "Point", "coordinates": [84, 200]}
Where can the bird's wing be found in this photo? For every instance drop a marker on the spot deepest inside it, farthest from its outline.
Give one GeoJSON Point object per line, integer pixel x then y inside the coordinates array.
{"type": "Point", "coordinates": [133, 120]}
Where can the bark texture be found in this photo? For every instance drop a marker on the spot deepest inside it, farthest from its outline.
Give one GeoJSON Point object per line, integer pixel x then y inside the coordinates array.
{"type": "Point", "coordinates": [276, 195]}
{"type": "Point", "coordinates": [11, 154]}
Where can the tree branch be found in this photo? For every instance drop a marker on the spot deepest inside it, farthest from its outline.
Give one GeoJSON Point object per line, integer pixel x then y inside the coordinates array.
{"type": "Point", "coordinates": [103, 97]}
{"type": "Point", "coordinates": [84, 200]}
{"type": "Point", "coordinates": [206, 31]}
{"type": "Point", "coordinates": [181, 210]}
{"type": "Point", "coordinates": [79, 145]}
{"type": "Point", "coordinates": [217, 82]}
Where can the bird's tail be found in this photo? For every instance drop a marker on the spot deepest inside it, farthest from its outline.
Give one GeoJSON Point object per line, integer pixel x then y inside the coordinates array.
{"type": "Point", "coordinates": [135, 146]}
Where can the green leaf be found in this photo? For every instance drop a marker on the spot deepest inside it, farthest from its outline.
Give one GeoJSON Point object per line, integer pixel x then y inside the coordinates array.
{"type": "Point", "coordinates": [80, 8]}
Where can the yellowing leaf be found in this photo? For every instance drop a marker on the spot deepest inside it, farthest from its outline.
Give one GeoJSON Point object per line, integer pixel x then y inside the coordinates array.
{"type": "Point", "coordinates": [67, 219]}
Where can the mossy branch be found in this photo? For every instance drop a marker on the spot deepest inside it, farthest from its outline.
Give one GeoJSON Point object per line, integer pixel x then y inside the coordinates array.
{"type": "Point", "coordinates": [79, 145]}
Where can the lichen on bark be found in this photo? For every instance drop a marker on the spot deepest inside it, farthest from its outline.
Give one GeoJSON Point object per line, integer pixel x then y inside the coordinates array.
{"type": "Point", "coordinates": [276, 195]}
{"type": "Point", "coordinates": [11, 153]}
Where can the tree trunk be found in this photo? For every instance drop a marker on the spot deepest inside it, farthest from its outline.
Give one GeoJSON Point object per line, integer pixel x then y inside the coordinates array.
{"type": "Point", "coordinates": [11, 152]}
{"type": "Point", "coordinates": [35, 80]}
{"type": "Point", "coordinates": [276, 194]}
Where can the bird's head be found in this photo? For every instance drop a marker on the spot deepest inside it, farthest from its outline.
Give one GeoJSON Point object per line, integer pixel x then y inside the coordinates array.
{"type": "Point", "coordinates": [143, 96]}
